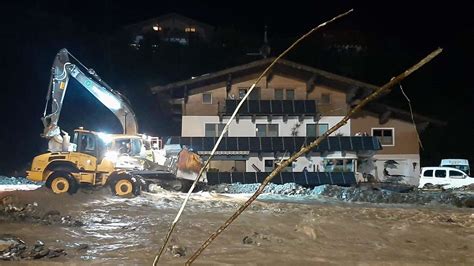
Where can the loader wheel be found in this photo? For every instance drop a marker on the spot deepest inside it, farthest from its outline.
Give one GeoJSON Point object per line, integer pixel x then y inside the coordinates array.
{"type": "Point", "coordinates": [123, 187]}
{"type": "Point", "coordinates": [62, 182]}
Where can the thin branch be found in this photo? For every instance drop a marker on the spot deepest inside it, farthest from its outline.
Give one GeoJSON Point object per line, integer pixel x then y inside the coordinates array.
{"type": "Point", "coordinates": [173, 225]}
{"type": "Point", "coordinates": [412, 117]}
{"type": "Point", "coordinates": [384, 89]}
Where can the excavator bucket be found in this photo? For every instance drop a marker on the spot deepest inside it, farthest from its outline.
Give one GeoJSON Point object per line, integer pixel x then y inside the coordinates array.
{"type": "Point", "coordinates": [189, 162]}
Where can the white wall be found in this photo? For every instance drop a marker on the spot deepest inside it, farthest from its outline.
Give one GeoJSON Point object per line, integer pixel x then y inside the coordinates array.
{"type": "Point", "coordinates": [404, 167]}
{"type": "Point", "coordinates": [194, 126]}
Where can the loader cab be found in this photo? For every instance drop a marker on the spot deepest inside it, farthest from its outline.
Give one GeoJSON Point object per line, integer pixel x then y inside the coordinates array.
{"type": "Point", "coordinates": [90, 143]}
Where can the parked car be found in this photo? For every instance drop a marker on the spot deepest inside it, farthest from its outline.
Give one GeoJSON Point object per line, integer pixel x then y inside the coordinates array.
{"type": "Point", "coordinates": [448, 177]}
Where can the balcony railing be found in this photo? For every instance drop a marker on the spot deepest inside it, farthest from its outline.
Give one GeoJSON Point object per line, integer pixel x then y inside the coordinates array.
{"type": "Point", "coordinates": [277, 144]}
{"type": "Point", "coordinates": [270, 107]}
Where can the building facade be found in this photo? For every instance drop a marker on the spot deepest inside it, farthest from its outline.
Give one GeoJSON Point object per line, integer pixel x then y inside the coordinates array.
{"type": "Point", "coordinates": [289, 107]}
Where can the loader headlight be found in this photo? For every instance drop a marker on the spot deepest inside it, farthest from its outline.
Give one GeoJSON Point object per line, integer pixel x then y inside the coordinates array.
{"type": "Point", "coordinates": [106, 138]}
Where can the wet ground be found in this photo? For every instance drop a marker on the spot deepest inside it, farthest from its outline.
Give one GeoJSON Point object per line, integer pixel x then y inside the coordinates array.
{"type": "Point", "coordinates": [130, 231]}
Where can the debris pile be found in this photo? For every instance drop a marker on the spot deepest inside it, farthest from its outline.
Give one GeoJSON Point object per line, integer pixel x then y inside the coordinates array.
{"type": "Point", "coordinates": [373, 193]}
{"type": "Point", "coordinates": [237, 188]}
{"type": "Point", "coordinates": [13, 248]}
{"type": "Point", "coordinates": [31, 213]}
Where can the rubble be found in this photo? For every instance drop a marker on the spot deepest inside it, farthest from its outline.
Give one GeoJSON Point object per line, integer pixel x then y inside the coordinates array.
{"type": "Point", "coordinates": [31, 213]}
{"type": "Point", "coordinates": [237, 188]}
{"type": "Point", "coordinates": [177, 251]}
{"type": "Point", "coordinates": [13, 248]}
{"type": "Point", "coordinates": [366, 192]}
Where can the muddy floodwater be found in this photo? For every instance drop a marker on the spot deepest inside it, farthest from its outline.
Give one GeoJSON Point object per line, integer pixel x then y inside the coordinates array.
{"type": "Point", "coordinates": [130, 231]}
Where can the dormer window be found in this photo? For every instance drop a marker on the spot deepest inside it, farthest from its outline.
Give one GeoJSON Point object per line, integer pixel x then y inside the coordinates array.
{"type": "Point", "coordinates": [157, 27]}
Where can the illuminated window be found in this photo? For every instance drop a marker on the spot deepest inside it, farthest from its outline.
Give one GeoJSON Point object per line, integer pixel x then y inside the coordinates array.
{"type": "Point", "coordinates": [157, 27]}
{"type": "Point", "coordinates": [190, 29]}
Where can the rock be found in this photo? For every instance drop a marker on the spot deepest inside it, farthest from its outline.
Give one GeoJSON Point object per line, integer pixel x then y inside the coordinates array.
{"type": "Point", "coordinates": [38, 254]}
{"type": "Point", "coordinates": [450, 220]}
{"type": "Point", "coordinates": [248, 240]}
{"type": "Point", "coordinates": [11, 247]}
{"type": "Point", "coordinates": [56, 252]}
{"type": "Point", "coordinates": [177, 251]}
{"type": "Point", "coordinates": [82, 246]}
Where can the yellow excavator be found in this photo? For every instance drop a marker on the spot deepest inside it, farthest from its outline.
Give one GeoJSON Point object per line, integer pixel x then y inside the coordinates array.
{"type": "Point", "coordinates": [99, 159]}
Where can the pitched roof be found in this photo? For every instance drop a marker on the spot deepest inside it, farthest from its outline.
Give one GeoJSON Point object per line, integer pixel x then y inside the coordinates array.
{"type": "Point", "coordinates": [282, 65]}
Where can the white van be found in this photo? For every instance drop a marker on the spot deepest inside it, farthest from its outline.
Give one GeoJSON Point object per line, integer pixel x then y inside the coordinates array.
{"type": "Point", "coordinates": [449, 177]}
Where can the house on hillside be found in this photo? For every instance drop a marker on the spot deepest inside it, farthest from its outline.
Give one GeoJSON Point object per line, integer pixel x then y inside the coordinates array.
{"type": "Point", "coordinates": [291, 106]}
{"type": "Point", "coordinates": [168, 28]}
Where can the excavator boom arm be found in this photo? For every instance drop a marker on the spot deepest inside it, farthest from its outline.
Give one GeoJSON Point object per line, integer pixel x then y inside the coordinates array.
{"type": "Point", "coordinates": [62, 70]}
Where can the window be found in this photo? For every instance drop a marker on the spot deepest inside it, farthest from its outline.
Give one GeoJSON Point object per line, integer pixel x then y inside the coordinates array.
{"type": "Point", "coordinates": [385, 136]}
{"type": "Point", "coordinates": [267, 130]}
{"type": "Point", "coordinates": [338, 165]}
{"type": "Point", "coordinates": [87, 144]}
{"type": "Point", "coordinates": [440, 173]}
{"type": "Point", "coordinates": [456, 174]}
{"type": "Point", "coordinates": [214, 130]}
{"type": "Point", "coordinates": [428, 173]}
{"type": "Point", "coordinates": [242, 92]}
{"type": "Point", "coordinates": [269, 165]}
{"type": "Point", "coordinates": [325, 98]}
{"type": "Point", "coordinates": [207, 98]}
{"type": "Point", "coordinates": [254, 95]}
{"type": "Point", "coordinates": [278, 94]}
{"type": "Point", "coordinates": [316, 130]}
{"type": "Point", "coordinates": [284, 94]}
{"type": "Point", "coordinates": [290, 94]}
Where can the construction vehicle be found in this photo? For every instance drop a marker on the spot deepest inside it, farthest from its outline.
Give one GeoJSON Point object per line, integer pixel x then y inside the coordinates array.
{"type": "Point", "coordinates": [126, 162]}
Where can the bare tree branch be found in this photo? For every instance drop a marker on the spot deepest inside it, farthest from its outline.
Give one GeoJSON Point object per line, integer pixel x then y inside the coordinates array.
{"type": "Point", "coordinates": [384, 89]}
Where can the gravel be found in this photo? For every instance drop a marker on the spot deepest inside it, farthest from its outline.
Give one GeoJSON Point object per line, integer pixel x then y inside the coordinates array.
{"type": "Point", "coordinates": [6, 180]}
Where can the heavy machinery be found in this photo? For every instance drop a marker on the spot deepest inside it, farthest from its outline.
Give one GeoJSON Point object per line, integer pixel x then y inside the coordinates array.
{"type": "Point", "coordinates": [121, 161]}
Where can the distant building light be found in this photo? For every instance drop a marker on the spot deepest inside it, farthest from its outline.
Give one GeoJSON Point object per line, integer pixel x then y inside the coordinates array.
{"type": "Point", "coordinates": [157, 28]}
{"type": "Point", "coordinates": [190, 29]}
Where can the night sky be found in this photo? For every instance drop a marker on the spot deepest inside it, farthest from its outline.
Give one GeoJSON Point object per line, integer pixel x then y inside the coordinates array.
{"type": "Point", "coordinates": [399, 33]}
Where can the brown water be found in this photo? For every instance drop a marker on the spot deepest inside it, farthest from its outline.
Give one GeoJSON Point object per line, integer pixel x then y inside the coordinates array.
{"type": "Point", "coordinates": [130, 231]}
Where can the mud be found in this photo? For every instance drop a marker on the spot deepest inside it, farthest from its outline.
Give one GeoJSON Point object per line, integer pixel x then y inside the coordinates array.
{"type": "Point", "coordinates": [130, 231]}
